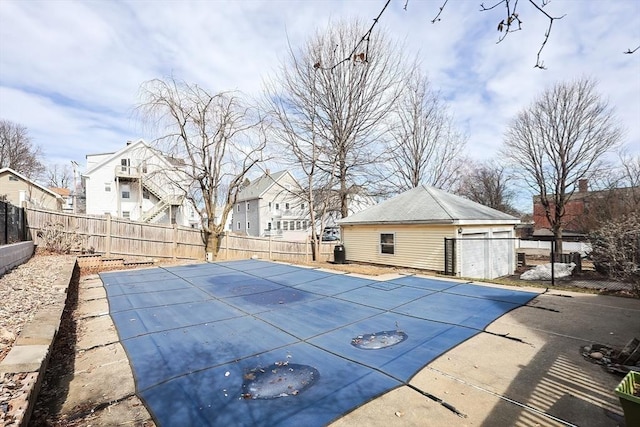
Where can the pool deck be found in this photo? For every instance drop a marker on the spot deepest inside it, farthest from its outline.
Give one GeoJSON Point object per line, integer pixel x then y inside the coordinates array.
{"type": "Point", "coordinates": [526, 369]}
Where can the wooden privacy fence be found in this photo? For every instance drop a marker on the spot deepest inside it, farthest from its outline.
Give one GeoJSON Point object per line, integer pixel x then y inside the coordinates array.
{"type": "Point", "coordinates": [116, 236]}
{"type": "Point", "coordinates": [242, 247]}
{"type": "Point", "coordinates": [120, 237]}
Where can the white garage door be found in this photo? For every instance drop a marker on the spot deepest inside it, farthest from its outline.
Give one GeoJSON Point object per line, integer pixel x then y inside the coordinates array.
{"type": "Point", "coordinates": [501, 255]}
{"type": "Point", "coordinates": [473, 255]}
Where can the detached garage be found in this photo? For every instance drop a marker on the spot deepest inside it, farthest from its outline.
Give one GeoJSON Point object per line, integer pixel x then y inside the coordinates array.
{"type": "Point", "coordinates": [419, 227]}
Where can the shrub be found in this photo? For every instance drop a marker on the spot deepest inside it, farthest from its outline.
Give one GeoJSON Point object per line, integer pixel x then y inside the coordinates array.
{"type": "Point", "coordinates": [616, 249]}
{"type": "Point", "coordinates": [58, 240]}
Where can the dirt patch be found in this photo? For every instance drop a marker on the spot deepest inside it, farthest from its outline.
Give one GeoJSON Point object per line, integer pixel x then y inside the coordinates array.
{"type": "Point", "coordinates": [368, 269]}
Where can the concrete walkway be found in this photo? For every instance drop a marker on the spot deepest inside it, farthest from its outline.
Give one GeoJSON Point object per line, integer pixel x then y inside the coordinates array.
{"type": "Point", "coordinates": [538, 379]}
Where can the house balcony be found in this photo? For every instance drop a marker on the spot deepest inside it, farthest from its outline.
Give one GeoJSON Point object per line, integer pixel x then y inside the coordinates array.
{"type": "Point", "coordinates": [128, 173]}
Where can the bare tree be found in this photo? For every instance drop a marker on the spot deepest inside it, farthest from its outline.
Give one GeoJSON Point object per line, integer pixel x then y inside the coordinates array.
{"type": "Point", "coordinates": [351, 102]}
{"type": "Point", "coordinates": [558, 140]}
{"type": "Point", "coordinates": [59, 176]}
{"type": "Point", "coordinates": [292, 102]}
{"type": "Point", "coordinates": [425, 148]}
{"type": "Point", "coordinates": [218, 140]}
{"type": "Point", "coordinates": [488, 184]}
{"type": "Point", "coordinates": [17, 151]}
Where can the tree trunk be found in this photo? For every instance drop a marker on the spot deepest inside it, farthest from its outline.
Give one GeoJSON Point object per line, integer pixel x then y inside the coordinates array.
{"type": "Point", "coordinates": [212, 245]}
{"type": "Point", "coordinates": [557, 234]}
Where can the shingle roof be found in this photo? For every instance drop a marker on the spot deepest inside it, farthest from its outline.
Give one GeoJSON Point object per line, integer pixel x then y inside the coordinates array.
{"type": "Point", "coordinates": [260, 185]}
{"type": "Point", "coordinates": [426, 204]}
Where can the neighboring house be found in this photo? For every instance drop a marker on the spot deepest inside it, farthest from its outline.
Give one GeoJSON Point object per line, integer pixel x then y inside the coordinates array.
{"type": "Point", "coordinates": [355, 203]}
{"type": "Point", "coordinates": [138, 183]}
{"type": "Point", "coordinates": [271, 206]}
{"type": "Point", "coordinates": [585, 209]}
{"type": "Point", "coordinates": [65, 193]}
{"type": "Point", "coordinates": [18, 189]}
{"type": "Point", "coordinates": [409, 230]}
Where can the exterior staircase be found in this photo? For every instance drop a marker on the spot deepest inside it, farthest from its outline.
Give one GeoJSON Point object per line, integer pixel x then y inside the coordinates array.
{"type": "Point", "coordinates": [165, 200]}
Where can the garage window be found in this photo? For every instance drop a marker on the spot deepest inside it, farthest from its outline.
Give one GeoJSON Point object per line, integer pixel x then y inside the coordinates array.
{"type": "Point", "coordinates": [387, 245]}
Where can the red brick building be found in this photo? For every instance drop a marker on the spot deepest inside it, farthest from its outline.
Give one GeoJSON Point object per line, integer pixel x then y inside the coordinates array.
{"type": "Point", "coordinates": [585, 209]}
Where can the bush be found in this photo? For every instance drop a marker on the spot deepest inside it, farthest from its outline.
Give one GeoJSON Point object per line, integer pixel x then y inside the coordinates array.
{"type": "Point", "coordinates": [616, 249]}
{"type": "Point", "coordinates": [58, 240]}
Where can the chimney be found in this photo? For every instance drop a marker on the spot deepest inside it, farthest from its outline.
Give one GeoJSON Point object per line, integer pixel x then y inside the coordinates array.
{"type": "Point", "coordinates": [129, 142]}
{"type": "Point", "coordinates": [583, 186]}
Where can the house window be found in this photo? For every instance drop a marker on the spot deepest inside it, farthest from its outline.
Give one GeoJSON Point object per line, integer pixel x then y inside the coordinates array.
{"type": "Point", "coordinates": [107, 186]}
{"type": "Point", "coordinates": [291, 225]}
{"type": "Point", "coordinates": [238, 209]}
{"type": "Point", "coordinates": [277, 206]}
{"type": "Point", "coordinates": [286, 206]}
{"type": "Point", "coordinates": [285, 225]}
{"type": "Point", "coordinates": [13, 178]}
{"type": "Point", "coordinates": [305, 224]}
{"type": "Point", "coordinates": [387, 243]}
{"type": "Point", "coordinates": [126, 194]}
{"type": "Point", "coordinates": [126, 214]}
{"type": "Point", "coordinates": [269, 205]}
{"type": "Point", "coordinates": [298, 225]}
{"type": "Point", "coordinates": [278, 225]}
{"type": "Point", "coordinates": [248, 225]}
{"type": "Point", "coordinates": [124, 165]}
{"type": "Point", "coordinates": [238, 225]}
{"type": "Point", "coordinates": [269, 226]}
{"type": "Point", "coordinates": [248, 205]}
{"type": "Point", "coordinates": [302, 206]}
{"type": "Point", "coordinates": [144, 166]}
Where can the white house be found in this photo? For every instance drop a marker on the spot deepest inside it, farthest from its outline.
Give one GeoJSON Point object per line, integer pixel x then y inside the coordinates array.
{"type": "Point", "coordinates": [139, 183]}
{"type": "Point", "coordinates": [271, 206]}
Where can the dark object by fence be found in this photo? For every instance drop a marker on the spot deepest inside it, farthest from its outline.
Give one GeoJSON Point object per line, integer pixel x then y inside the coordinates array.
{"type": "Point", "coordinates": [522, 259]}
{"type": "Point", "coordinates": [449, 256]}
{"type": "Point", "coordinates": [573, 257]}
{"type": "Point", "coordinates": [339, 254]}
{"type": "Point", "coordinates": [12, 224]}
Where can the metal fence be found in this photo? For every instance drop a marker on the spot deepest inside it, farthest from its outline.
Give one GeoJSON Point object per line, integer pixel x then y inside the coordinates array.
{"type": "Point", "coordinates": [12, 224]}
{"type": "Point", "coordinates": [584, 274]}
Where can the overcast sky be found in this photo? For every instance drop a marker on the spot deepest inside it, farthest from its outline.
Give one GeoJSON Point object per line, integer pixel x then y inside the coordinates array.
{"type": "Point", "coordinates": [70, 70]}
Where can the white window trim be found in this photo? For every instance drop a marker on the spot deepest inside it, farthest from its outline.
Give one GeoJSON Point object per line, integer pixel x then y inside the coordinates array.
{"type": "Point", "coordinates": [380, 243]}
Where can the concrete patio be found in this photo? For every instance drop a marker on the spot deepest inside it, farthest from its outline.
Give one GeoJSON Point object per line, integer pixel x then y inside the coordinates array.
{"type": "Point", "coordinates": [537, 378]}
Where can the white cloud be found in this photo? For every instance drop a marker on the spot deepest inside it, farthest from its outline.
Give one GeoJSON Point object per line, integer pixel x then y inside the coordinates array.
{"type": "Point", "coordinates": [70, 70]}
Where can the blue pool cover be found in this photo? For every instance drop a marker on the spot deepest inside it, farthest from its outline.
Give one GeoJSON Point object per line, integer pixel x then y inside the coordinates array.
{"type": "Point", "coordinates": [203, 338]}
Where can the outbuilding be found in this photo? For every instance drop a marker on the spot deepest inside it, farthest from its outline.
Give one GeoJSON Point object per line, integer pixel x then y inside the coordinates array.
{"type": "Point", "coordinates": [427, 228]}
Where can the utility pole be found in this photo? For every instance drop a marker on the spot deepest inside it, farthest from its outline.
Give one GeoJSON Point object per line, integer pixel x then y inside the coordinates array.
{"type": "Point", "coordinates": [74, 198]}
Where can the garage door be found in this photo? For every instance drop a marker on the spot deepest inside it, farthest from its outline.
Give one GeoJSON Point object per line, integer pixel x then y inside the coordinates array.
{"type": "Point", "coordinates": [501, 255]}
{"type": "Point", "coordinates": [473, 255]}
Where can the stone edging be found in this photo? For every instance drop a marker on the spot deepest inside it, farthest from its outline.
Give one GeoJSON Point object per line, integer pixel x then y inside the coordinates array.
{"type": "Point", "coordinates": [30, 352]}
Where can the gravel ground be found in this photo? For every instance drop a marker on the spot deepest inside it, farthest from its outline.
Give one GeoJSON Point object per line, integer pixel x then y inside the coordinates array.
{"type": "Point", "coordinates": [23, 291]}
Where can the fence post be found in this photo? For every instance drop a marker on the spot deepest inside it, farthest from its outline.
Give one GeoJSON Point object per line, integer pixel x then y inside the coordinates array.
{"type": "Point", "coordinates": [269, 246]}
{"type": "Point", "coordinates": [553, 261]}
{"type": "Point", "coordinates": [306, 249]}
{"type": "Point", "coordinates": [226, 246]}
{"type": "Point", "coordinates": [174, 248]}
{"type": "Point", "coordinates": [107, 242]}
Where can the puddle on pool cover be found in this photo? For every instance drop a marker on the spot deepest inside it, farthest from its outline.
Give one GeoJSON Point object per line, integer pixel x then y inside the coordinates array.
{"type": "Point", "coordinates": [282, 379]}
{"type": "Point", "coordinates": [378, 340]}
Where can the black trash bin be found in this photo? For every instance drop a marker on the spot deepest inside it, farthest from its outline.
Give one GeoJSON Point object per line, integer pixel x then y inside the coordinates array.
{"type": "Point", "coordinates": [339, 255]}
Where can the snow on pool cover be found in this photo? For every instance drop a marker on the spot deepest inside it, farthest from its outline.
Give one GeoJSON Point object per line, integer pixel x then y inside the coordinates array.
{"type": "Point", "coordinates": [256, 343]}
